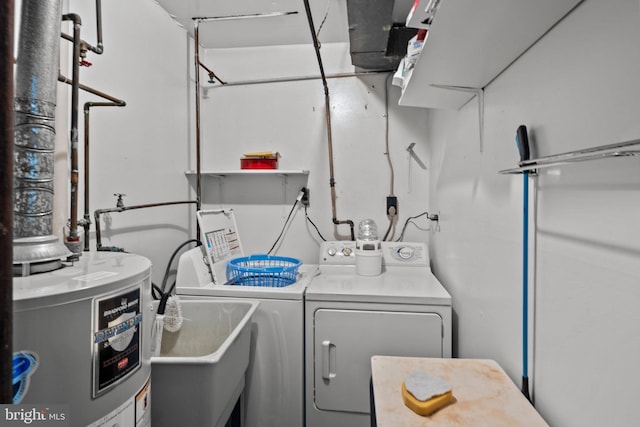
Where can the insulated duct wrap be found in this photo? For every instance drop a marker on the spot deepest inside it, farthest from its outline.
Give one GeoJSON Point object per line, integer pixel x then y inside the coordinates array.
{"type": "Point", "coordinates": [35, 103]}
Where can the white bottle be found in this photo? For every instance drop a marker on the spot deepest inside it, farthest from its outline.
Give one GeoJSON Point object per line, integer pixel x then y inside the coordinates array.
{"type": "Point", "coordinates": [368, 249]}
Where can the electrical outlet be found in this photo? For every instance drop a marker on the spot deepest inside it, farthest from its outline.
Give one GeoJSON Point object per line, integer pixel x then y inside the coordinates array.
{"type": "Point", "coordinates": [305, 196]}
{"type": "Point", "coordinates": [392, 205]}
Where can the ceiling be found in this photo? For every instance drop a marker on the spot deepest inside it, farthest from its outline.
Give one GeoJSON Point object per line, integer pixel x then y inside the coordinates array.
{"type": "Point", "coordinates": [268, 31]}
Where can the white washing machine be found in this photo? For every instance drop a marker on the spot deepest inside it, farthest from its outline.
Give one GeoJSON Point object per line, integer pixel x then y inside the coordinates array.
{"type": "Point", "coordinates": [274, 384]}
{"type": "Point", "coordinates": [404, 311]}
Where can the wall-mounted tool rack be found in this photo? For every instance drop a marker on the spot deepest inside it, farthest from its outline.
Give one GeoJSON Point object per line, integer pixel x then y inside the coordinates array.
{"type": "Point", "coordinates": [620, 149]}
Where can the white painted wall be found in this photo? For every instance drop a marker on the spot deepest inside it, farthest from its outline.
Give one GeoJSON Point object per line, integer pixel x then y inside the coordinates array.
{"type": "Point", "coordinates": [144, 149]}
{"type": "Point", "coordinates": [141, 149]}
{"type": "Point", "coordinates": [578, 87]}
{"type": "Point", "coordinates": [290, 118]}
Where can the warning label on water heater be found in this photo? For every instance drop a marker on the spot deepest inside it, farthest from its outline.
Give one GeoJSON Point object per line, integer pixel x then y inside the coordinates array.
{"type": "Point", "coordinates": [116, 338]}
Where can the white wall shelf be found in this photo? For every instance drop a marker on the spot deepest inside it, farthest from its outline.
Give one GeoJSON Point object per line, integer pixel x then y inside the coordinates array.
{"type": "Point", "coordinates": [250, 184]}
{"type": "Point", "coordinates": [248, 172]}
{"type": "Point", "coordinates": [470, 42]}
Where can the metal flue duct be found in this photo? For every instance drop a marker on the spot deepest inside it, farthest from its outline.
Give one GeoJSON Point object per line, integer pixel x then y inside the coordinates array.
{"type": "Point", "coordinates": [6, 212]}
{"type": "Point", "coordinates": [377, 38]}
{"type": "Point", "coordinates": [36, 249]}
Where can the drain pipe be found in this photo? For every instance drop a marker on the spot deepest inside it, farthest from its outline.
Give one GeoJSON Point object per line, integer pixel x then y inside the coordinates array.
{"type": "Point", "coordinates": [114, 102]}
{"type": "Point", "coordinates": [6, 210]}
{"type": "Point", "coordinates": [196, 50]}
{"type": "Point", "coordinates": [327, 105]}
{"type": "Point", "coordinates": [86, 223]}
{"type": "Point", "coordinates": [73, 239]}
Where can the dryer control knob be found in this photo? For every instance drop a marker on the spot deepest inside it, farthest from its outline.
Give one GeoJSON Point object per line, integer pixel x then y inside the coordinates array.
{"type": "Point", "coordinates": [332, 251]}
{"type": "Point", "coordinates": [405, 253]}
{"type": "Point", "coordinates": [346, 251]}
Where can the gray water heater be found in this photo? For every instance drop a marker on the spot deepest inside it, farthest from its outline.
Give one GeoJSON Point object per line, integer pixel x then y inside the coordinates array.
{"type": "Point", "coordinates": [81, 340]}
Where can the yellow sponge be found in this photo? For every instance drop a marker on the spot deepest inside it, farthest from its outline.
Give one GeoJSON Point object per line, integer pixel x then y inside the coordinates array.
{"type": "Point", "coordinates": [426, 407]}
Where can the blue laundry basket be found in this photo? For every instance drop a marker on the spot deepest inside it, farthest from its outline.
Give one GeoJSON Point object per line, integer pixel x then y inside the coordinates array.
{"type": "Point", "coordinates": [263, 270]}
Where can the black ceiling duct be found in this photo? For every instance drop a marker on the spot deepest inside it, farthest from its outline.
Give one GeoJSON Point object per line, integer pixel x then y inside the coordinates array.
{"type": "Point", "coordinates": [376, 42]}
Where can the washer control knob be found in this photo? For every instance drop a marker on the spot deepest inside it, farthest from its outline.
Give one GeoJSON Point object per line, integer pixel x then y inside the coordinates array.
{"type": "Point", "coordinates": [346, 251]}
{"type": "Point", "coordinates": [332, 251]}
{"type": "Point", "coordinates": [405, 253]}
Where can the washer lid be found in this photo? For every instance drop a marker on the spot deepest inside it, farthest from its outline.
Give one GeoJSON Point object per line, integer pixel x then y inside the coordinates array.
{"type": "Point", "coordinates": [295, 291]}
{"type": "Point", "coordinates": [403, 286]}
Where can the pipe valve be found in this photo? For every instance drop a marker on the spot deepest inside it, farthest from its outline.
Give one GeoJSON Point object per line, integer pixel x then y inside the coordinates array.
{"type": "Point", "coordinates": [83, 50]}
{"type": "Point", "coordinates": [120, 201]}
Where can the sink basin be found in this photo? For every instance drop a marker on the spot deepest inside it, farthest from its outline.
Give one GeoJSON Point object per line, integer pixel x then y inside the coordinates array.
{"type": "Point", "coordinates": [199, 374]}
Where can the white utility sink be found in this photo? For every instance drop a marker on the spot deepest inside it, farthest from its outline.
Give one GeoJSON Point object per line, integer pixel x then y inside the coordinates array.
{"type": "Point", "coordinates": [199, 374]}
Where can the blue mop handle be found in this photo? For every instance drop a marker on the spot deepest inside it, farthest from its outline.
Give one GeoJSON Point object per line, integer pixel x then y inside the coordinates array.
{"type": "Point", "coordinates": [522, 142]}
{"type": "Point", "coordinates": [525, 276]}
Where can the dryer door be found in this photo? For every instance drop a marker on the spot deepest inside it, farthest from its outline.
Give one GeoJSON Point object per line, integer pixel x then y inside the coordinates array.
{"type": "Point", "coordinates": [345, 340]}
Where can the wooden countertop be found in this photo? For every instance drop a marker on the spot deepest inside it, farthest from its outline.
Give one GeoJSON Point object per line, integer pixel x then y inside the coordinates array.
{"type": "Point", "coordinates": [484, 394]}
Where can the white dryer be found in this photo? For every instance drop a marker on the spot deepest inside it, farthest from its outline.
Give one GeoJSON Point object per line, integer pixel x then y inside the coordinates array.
{"type": "Point", "coordinates": [405, 311]}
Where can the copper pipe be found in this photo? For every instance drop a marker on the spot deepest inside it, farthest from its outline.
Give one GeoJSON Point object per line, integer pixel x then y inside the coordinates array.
{"type": "Point", "coordinates": [73, 238]}
{"type": "Point", "coordinates": [99, 212]}
{"type": "Point", "coordinates": [99, 48]}
{"type": "Point", "coordinates": [115, 102]}
{"type": "Point", "coordinates": [196, 48]}
{"type": "Point", "coordinates": [79, 48]}
{"type": "Point", "coordinates": [86, 224]}
{"type": "Point", "coordinates": [212, 75]}
{"type": "Point", "coordinates": [242, 16]}
{"type": "Point", "coordinates": [327, 108]}
{"type": "Point", "coordinates": [300, 78]}
{"type": "Point", "coordinates": [89, 89]}
{"type": "Point", "coordinates": [6, 192]}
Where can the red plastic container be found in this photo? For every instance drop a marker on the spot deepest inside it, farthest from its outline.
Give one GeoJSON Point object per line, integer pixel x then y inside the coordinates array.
{"type": "Point", "coordinates": [259, 163]}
